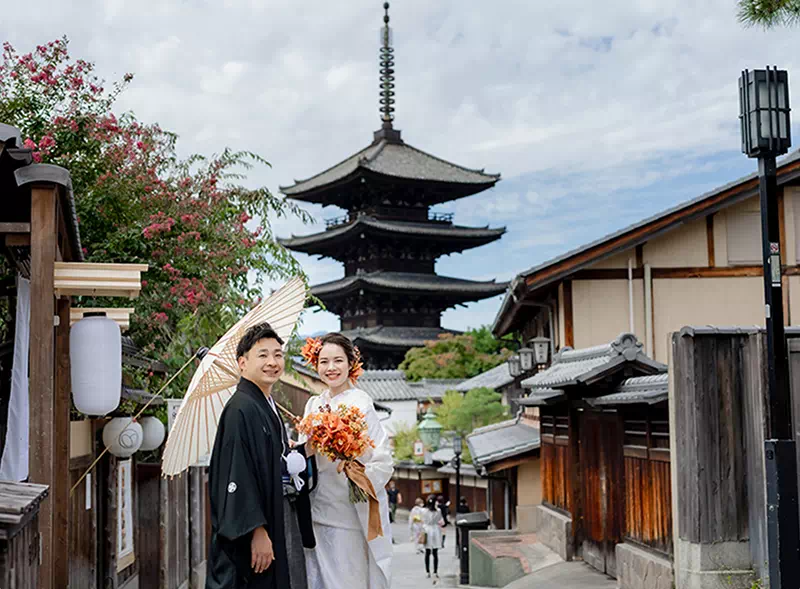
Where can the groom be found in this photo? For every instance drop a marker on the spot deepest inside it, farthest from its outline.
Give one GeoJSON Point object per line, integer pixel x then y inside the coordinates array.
{"type": "Point", "coordinates": [256, 517]}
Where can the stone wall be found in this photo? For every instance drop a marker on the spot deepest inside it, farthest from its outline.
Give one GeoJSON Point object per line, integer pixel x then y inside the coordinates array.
{"type": "Point", "coordinates": [638, 568]}
{"type": "Point", "coordinates": [555, 531]}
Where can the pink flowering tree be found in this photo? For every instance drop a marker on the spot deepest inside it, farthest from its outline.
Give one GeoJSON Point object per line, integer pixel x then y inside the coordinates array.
{"type": "Point", "coordinates": [206, 237]}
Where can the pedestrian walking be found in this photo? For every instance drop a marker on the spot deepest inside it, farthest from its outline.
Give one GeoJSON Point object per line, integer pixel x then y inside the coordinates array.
{"type": "Point", "coordinates": [432, 525]}
{"type": "Point", "coordinates": [415, 529]}
{"type": "Point", "coordinates": [395, 497]}
{"type": "Point", "coordinates": [444, 508]}
{"type": "Point", "coordinates": [463, 506]}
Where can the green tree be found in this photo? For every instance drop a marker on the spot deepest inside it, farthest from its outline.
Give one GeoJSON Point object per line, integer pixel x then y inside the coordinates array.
{"type": "Point", "coordinates": [205, 236]}
{"type": "Point", "coordinates": [404, 438]}
{"type": "Point", "coordinates": [455, 356]}
{"type": "Point", "coordinates": [769, 13]}
{"type": "Point", "coordinates": [461, 414]}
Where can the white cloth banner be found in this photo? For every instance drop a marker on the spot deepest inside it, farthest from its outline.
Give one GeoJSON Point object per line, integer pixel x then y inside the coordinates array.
{"type": "Point", "coordinates": [14, 465]}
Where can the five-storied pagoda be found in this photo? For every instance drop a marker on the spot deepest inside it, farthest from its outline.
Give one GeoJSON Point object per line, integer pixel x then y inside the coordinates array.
{"type": "Point", "coordinates": [391, 298]}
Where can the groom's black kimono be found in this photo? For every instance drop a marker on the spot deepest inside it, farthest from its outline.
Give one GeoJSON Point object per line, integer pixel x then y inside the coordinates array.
{"type": "Point", "coordinates": [246, 492]}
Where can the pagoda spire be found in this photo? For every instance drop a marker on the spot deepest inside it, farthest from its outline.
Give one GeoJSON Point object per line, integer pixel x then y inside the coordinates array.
{"type": "Point", "coordinates": [387, 131]}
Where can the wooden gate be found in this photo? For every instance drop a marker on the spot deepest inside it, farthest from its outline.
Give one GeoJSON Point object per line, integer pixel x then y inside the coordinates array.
{"type": "Point", "coordinates": [602, 469]}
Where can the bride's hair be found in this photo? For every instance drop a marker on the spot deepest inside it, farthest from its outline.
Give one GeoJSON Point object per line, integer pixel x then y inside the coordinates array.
{"type": "Point", "coordinates": [344, 343]}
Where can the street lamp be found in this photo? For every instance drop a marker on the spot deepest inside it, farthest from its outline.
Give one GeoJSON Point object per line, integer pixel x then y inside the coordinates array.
{"type": "Point", "coordinates": [525, 359]}
{"type": "Point", "coordinates": [764, 116]}
{"type": "Point", "coordinates": [514, 367]}
{"type": "Point", "coordinates": [457, 449]}
{"type": "Point", "coordinates": [541, 347]}
{"type": "Point", "coordinates": [430, 431]}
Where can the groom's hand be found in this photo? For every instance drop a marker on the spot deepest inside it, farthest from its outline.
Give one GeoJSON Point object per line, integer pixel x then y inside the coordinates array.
{"type": "Point", "coordinates": [261, 550]}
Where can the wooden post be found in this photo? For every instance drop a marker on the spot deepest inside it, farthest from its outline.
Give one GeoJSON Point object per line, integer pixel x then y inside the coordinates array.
{"type": "Point", "coordinates": [59, 494]}
{"type": "Point", "coordinates": [42, 365]}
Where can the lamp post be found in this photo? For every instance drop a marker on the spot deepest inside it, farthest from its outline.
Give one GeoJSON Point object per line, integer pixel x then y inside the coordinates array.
{"type": "Point", "coordinates": [764, 115]}
{"type": "Point", "coordinates": [457, 450]}
{"type": "Point", "coordinates": [514, 366]}
{"type": "Point", "coordinates": [430, 431]}
{"type": "Point", "coordinates": [541, 347]}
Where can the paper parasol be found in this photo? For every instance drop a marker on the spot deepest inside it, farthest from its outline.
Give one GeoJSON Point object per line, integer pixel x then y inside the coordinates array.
{"type": "Point", "coordinates": [214, 382]}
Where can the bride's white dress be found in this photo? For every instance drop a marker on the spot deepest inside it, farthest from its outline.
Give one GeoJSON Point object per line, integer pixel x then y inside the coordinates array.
{"type": "Point", "coordinates": [343, 559]}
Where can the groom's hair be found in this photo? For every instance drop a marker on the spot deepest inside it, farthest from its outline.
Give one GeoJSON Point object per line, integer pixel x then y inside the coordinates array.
{"type": "Point", "coordinates": [254, 334]}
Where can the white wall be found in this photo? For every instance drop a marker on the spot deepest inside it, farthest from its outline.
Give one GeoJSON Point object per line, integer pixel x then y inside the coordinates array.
{"type": "Point", "coordinates": [403, 413]}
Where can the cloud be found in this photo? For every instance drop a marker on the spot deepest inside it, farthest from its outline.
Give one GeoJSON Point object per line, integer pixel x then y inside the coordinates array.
{"type": "Point", "coordinates": [596, 114]}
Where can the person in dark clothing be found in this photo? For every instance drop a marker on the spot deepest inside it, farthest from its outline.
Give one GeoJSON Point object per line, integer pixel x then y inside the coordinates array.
{"type": "Point", "coordinates": [463, 506]}
{"type": "Point", "coordinates": [393, 493]}
{"type": "Point", "coordinates": [256, 540]}
{"type": "Point", "coordinates": [445, 509]}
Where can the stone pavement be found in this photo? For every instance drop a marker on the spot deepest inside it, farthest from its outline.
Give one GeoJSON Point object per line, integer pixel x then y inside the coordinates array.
{"type": "Point", "coordinates": [408, 567]}
{"type": "Point", "coordinates": [563, 575]}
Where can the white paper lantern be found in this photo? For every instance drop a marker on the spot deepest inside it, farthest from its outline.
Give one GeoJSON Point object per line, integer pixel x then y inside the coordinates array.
{"type": "Point", "coordinates": [153, 432]}
{"type": "Point", "coordinates": [123, 436]}
{"type": "Point", "coordinates": [95, 351]}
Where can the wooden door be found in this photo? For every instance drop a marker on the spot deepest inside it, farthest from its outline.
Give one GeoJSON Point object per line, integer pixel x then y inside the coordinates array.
{"type": "Point", "coordinates": [601, 465]}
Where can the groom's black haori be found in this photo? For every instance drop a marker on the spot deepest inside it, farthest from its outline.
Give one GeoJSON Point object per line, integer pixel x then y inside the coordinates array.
{"type": "Point", "coordinates": [247, 491]}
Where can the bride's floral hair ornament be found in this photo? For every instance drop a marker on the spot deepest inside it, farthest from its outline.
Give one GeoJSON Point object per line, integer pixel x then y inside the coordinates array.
{"type": "Point", "coordinates": [313, 346]}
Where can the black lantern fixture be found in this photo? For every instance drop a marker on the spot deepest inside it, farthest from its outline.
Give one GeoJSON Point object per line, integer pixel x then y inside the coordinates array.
{"type": "Point", "coordinates": [541, 349]}
{"type": "Point", "coordinates": [764, 116]}
{"type": "Point", "coordinates": [525, 359]}
{"type": "Point", "coordinates": [764, 112]}
{"type": "Point", "coordinates": [514, 366]}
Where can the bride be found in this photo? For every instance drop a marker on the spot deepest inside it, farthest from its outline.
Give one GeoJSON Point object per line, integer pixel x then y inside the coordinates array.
{"type": "Point", "coordinates": [343, 558]}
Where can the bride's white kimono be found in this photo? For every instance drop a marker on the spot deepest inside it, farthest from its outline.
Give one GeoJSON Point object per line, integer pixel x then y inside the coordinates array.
{"type": "Point", "coordinates": [343, 559]}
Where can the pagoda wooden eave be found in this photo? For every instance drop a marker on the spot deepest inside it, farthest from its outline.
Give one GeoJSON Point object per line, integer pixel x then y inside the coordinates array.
{"type": "Point", "coordinates": [451, 289]}
{"type": "Point", "coordinates": [450, 238]}
{"type": "Point", "coordinates": [392, 162]}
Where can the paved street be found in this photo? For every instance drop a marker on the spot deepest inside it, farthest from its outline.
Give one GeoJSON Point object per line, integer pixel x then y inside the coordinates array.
{"type": "Point", "coordinates": [408, 567]}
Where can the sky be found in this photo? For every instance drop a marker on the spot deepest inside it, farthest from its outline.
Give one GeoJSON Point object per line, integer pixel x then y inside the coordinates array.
{"type": "Point", "coordinates": [596, 114]}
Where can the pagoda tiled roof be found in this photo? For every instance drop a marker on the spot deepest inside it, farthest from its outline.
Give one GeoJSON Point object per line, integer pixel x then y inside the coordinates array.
{"type": "Point", "coordinates": [395, 159]}
{"type": "Point", "coordinates": [408, 281]}
{"type": "Point", "coordinates": [394, 336]}
{"type": "Point", "coordinates": [476, 236]}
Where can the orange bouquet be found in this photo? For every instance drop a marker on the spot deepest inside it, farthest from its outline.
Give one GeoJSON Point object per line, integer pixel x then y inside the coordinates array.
{"type": "Point", "coordinates": [340, 434]}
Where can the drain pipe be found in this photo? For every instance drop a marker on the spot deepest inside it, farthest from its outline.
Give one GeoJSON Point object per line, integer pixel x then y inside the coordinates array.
{"type": "Point", "coordinates": [630, 295]}
{"type": "Point", "coordinates": [648, 311]}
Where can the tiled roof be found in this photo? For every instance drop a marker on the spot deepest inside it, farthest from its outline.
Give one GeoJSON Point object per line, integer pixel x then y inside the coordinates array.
{"type": "Point", "coordinates": [395, 159]}
{"type": "Point", "coordinates": [386, 385]}
{"type": "Point", "coordinates": [538, 397]}
{"type": "Point", "coordinates": [434, 388]}
{"type": "Point", "coordinates": [412, 281]}
{"type": "Point", "coordinates": [467, 470]}
{"type": "Point", "coordinates": [494, 378]}
{"type": "Point", "coordinates": [502, 440]}
{"type": "Point", "coordinates": [398, 336]}
{"type": "Point", "coordinates": [647, 390]}
{"type": "Point", "coordinates": [456, 234]}
{"type": "Point", "coordinates": [572, 367]}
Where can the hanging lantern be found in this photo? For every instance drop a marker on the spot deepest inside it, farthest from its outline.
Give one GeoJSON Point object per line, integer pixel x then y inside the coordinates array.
{"type": "Point", "coordinates": [95, 351]}
{"type": "Point", "coordinates": [123, 436]}
{"type": "Point", "coordinates": [153, 433]}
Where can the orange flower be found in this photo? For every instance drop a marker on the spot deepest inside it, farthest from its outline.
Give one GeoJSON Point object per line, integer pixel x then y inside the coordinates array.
{"type": "Point", "coordinates": [339, 434]}
{"type": "Point", "coordinates": [310, 351]}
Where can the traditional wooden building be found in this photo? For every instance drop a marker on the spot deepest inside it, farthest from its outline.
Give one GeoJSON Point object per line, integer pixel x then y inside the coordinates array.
{"type": "Point", "coordinates": [605, 455]}
{"type": "Point", "coordinates": [391, 298]}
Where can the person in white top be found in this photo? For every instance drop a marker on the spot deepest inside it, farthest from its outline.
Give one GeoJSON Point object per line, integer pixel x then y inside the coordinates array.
{"type": "Point", "coordinates": [343, 558]}
{"type": "Point", "coordinates": [415, 524]}
{"type": "Point", "coordinates": [432, 524]}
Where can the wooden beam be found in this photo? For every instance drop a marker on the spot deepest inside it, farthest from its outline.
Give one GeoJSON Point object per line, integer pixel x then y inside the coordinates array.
{"type": "Point", "coordinates": [59, 492]}
{"type": "Point", "coordinates": [718, 272]}
{"type": "Point", "coordinates": [640, 256]}
{"type": "Point", "coordinates": [569, 333]}
{"type": "Point", "coordinates": [42, 365]}
{"type": "Point", "coordinates": [15, 227]}
{"type": "Point", "coordinates": [18, 239]}
{"type": "Point", "coordinates": [710, 240]}
{"type": "Point", "coordinates": [607, 274]}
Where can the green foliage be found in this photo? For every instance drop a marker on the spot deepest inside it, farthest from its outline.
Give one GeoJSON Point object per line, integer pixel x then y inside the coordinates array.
{"type": "Point", "coordinates": [769, 13]}
{"type": "Point", "coordinates": [455, 356]}
{"type": "Point", "coordinates": [478, 407]}
{"type": "Point", "coordinates": [404, 438]}
{"type": "Point", "coordinates": [205, 236]}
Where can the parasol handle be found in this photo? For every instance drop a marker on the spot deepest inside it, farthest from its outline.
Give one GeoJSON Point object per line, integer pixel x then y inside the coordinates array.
{"type": "Point", "coordinates": [287, 413]}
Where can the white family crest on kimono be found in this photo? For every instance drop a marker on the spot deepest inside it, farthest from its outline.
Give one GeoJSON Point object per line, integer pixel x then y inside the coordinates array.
{"type": "Point", "coordinates": [340, 527]}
